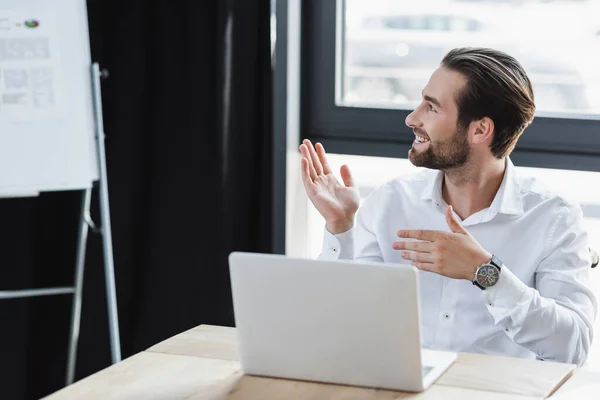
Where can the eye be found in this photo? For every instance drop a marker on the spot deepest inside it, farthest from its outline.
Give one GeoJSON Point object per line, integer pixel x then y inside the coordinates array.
{"type": "Point", "coordinates": [430, 107]}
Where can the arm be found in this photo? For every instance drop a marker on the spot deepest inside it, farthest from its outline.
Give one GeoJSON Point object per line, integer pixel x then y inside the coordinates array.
{"type": "Point", "coordinates": [555, 320]}
{"type": "Point", "coordinates": [358, 243]}
{"type": "Point", "coordinates": [336, 202]}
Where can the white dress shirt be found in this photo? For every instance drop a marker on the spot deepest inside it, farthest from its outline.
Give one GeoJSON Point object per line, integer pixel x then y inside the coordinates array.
{"type": "Point", "coordinates": [541, 307]}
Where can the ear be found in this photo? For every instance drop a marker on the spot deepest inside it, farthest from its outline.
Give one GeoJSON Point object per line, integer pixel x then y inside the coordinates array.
{"type": "Point", "coordinates": [483, 130]}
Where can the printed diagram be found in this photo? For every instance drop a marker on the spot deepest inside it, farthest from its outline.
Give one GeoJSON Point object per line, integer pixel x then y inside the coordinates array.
{"type": "Point", "coordinates": [41, 87]}
{"type": "Point", "coordinates": [18, 49]}
{"type": "Point", "coordinates": [28, 70]}
{"type": "Point", "coordinates": [17, 79]}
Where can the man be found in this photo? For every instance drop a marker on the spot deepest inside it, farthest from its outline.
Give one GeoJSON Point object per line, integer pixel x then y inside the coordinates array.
{"type": "Point", "coordinates": [503, 262]}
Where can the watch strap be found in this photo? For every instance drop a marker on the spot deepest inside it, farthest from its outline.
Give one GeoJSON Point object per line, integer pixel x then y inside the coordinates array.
{"type": "Point", "coordinates": [496, 262]}
{"type": "Point", "coordinates": [477, 284]}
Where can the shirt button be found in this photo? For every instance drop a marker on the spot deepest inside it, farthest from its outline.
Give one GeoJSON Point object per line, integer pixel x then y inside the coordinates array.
{"type": "Point", "coordinates": [491, 304]}
{"type": "Point", "coordinates": [334, 249]}
{"type": "Point", "coordinates": [446, 316]}
{"type": "Point", "coordinates": [506, 330]}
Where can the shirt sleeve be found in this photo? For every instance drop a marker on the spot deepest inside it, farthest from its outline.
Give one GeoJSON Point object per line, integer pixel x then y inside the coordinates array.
{"type": "Point", "coordinates": [359, 243]}
{"type": "Point", "coordinates": [555, 319]}
{"type": "Point", "coordinates": [338, 247]}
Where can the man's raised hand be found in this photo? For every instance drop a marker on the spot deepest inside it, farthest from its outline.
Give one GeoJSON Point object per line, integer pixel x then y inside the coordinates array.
{"type": "Point", "coordinates": [336, 202]}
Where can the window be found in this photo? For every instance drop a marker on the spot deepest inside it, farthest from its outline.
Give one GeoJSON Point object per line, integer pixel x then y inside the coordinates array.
{"type": "Point", "coordinates": [273, 26]}
{"type": "Point", "coordinates": [407, 39]}
{"type": "Point", "coordinates": [365, 63]}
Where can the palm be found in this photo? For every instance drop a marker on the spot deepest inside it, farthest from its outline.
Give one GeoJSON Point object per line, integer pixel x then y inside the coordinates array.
{"type": "Point", "coordinates": [335, 201]}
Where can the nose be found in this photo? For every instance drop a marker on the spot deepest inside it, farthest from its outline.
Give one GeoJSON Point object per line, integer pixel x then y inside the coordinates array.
{"type": "Point", "coordinates": [411, 120]}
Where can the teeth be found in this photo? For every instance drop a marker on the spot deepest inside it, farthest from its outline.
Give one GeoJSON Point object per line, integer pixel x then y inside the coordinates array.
{"type": "Point", "coordinates": [421, 140]}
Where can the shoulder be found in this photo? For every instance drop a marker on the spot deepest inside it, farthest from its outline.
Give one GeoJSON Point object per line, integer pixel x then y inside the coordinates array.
{"type": "Point", "coordinates": [537, 193]}
{"type": "Point", "coordinates": [414, 183]}
{"type": "Point", "coordinates": [404, 188]}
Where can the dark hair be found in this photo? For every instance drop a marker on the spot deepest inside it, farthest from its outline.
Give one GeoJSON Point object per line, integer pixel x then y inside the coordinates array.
{"type": "Point", "coordinates": [497, 87]}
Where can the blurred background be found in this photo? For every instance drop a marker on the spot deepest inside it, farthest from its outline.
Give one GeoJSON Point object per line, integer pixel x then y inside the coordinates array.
{"type": "Point", "coordinates": [392, 47]}
{"type": "Point", "coordinates": [204, 109]}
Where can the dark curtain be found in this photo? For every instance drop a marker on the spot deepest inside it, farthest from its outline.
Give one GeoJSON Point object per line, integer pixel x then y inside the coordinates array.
{"type": "Point", "coordinates": [187, 113]}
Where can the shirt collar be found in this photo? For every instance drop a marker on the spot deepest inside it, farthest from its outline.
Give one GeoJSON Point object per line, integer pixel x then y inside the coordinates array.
{"type": "Point", "coordinates": [507, 200]}
{"type": "Point", "coordinates": [433, 189]}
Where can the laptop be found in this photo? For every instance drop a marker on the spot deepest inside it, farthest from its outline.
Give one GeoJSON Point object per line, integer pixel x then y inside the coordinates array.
{"type": "Point", "coordinates": [340, 322]}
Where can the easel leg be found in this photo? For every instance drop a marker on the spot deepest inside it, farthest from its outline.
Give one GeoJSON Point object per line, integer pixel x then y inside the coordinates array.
{"type": "Point", "coordinates": [79, 267]}
{"type": "Point", "coordinates": [109, 268]}
{"type": "Point", "coordinates": [109, 273]}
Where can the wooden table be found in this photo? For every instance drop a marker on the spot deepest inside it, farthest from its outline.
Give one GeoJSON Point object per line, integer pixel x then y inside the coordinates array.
{"type": "Point", "coordinates": [203, 363]}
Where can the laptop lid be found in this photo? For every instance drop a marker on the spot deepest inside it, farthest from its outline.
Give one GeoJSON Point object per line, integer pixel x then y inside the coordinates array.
{"type": "Point", "coordinates": [331, 321]}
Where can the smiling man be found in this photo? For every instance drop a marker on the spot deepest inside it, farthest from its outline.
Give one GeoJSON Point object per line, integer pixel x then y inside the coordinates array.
{"type": "Point", "coordinates": [503, 261]}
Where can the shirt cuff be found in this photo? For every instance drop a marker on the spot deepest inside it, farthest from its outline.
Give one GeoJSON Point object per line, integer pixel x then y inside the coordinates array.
{"type": "Point", "coordinates": [505, 294]}
{"type": "Point", "coordinates": [338, 247]}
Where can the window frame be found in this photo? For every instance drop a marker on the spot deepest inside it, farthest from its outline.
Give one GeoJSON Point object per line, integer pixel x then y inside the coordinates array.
{"type": "Point", "coordinates": [550, 142]}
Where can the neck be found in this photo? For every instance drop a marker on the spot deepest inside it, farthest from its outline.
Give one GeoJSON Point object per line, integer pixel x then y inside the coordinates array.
{"type": "Point", "coordinates": [472, 187]}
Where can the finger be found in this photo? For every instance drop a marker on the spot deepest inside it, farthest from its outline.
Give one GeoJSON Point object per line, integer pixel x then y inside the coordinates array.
{"type": "Point", "coordinates": [417, 256]}
{"type": "Point", "coordinates": [347, 176]}
{"type": "Point", "coordinates": [424, 247]}
{"type": "Point", "coordinates": [430, 236]}
{"type": "Point", "coordinates": [305, 172]}
{"type": "Point", "coordinates": [424, 266]}
{"type": "Point", "coordinates": [306, 153]}
{"type": "Point", "coordinates": [309, 185]}
{"type": "Point", "coordinates": [323, 158]}
{"type": "Point", "coordinates": [453, 223]}
{"type": "Point", "coordinates": [314, 157]}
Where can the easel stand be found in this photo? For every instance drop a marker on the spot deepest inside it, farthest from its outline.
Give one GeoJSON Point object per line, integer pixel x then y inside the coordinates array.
{"type": "Point", "coordinates": [105, 229]}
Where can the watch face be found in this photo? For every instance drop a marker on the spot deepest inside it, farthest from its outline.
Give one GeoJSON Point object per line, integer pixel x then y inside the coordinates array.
{"type": "Point", "coordinates": [487, 275]}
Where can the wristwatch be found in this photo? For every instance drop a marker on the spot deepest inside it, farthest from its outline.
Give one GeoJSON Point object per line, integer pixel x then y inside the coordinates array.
{"type": "Point", "coordinates": [487, 274]}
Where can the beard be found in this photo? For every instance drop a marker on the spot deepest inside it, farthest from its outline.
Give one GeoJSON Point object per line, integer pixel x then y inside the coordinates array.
{"type": "Point", "coordinates": [443, 155]}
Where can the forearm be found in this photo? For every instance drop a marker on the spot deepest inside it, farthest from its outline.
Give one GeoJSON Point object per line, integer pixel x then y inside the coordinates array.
{"type": "Point", "coordinates": [554, 329]}
{"type": "Point", "coordinates": [354, 240]}
{"type": "Point", "coordinates": [338, 247]}
{"type": "Point", "coordinates": [343, 246]}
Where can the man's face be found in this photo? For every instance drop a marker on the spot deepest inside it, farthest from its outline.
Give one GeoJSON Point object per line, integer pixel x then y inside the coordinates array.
{"type": "Point", "coordinates": [439, 142]}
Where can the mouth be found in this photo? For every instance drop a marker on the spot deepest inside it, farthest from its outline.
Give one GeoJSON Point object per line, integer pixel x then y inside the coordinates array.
{"type": "Point", "coordinates": [420, 139]}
